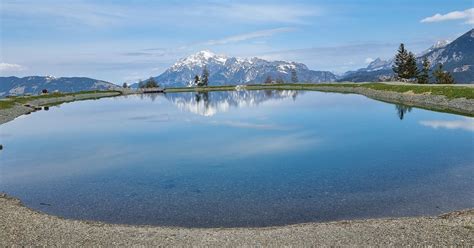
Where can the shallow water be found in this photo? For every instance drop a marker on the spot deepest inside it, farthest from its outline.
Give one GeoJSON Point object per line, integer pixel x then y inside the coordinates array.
{"type": "Point", "coordinates": [230, 159]}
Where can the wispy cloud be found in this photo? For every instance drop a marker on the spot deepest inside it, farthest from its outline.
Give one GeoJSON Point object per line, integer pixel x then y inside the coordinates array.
{"type": "Point", "coordinates": [250, 36]}
{"type": "Point", "coordinates": [464, 124]}
{"type": "Point", "coordinates": [75, 12]}
{"type": "Point", "coordinates": [466, 15]}
{"type": "Point", "coordinates": [105, 14]}
{"type": "Point", "coordinates": [278, 13]}
{"type": "Point", "coordinates": [7, 67]}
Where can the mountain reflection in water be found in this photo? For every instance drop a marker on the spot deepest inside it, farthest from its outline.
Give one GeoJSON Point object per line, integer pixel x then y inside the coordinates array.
{"type": "Point", "coordinates": [208, 104]}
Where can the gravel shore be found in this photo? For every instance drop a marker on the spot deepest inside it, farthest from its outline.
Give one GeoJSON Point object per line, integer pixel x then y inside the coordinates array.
{"type": "Point", "coordinates": [21, 226]}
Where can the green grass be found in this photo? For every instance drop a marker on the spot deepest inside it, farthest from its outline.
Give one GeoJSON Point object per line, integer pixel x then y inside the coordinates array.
{"type": "Point", "coordinates": [450, 92]}
{"type": "Point", "coordinates": [4, 104]}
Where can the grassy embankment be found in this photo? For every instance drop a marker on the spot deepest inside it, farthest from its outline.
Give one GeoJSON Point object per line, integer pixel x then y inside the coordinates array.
{"type": "Point", "coordinates": [12, 101]}
{"type": "Point", "coordinates": [450, 92]}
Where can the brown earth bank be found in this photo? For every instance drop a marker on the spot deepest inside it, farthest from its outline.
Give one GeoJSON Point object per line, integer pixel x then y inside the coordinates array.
{"type": "Point", "coordinates": [21, 226]}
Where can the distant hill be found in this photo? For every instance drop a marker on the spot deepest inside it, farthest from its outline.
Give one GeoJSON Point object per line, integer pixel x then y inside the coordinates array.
{"type": "Point", "coordinates": [457, 57]}
{"type": "Point", "coordinates": [232, 71]}
{"type": "Point", "coordinates": [35, 84]}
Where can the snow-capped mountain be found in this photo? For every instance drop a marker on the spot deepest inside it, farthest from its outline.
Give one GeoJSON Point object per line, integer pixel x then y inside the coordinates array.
{"type": "Point", "coordinates": [437, 45]}
{"type": "Point", "coordinates": [232, 70]}
{"type": "Point", "coordinates": [35, 84]}
{"type": "Point", "coordinates": [456, 57]}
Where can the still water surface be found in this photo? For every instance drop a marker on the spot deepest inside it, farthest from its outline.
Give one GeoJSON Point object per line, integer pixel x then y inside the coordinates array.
{"type": "Point", "coordinates": [230, 159]}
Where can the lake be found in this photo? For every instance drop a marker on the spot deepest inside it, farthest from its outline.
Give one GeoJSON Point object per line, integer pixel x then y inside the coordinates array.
{"type": "Point", "coordinates": [235, 159]}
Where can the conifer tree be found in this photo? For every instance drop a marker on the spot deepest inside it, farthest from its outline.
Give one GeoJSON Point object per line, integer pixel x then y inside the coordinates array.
{"type": "Point", "coordinates": [443, 77]}
{"type": "Point", "coordinates": [280, 80]}
{"type": "Point", "coordinates": [424, 76]}
{"type": "Point", "coordinates": [268, 80]}
{"type": "Point", "coordinates": [151, 83]}
{"type": "Point", "coordinates": [294, 76]}
{"type": "Point", "coordinates": [411, 69]}
{"type": "Point", "coordinates": [400, 62]}
{"type": "Point", "coordinates": [196, 80]}
{"type": "Point", "coordinates": [205, 76]}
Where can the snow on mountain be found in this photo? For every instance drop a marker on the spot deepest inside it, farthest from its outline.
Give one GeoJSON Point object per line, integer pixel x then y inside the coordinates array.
{"type": "Point", "coordinates": [35, 84]}
{"type": "Point", "coordinates": [456, 57]}
{"type": "Point", "coordinates": [231, 70]}
{"type": "Point", "coordinates": [439, 44]}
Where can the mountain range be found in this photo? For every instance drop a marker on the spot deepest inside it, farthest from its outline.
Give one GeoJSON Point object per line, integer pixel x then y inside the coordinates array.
{"type": "Point", "coordinates": [231, 70]}
{"type": "Point", "coordinates": [35, 84]}
{"type": "Point", "coordinates": [457, 57]}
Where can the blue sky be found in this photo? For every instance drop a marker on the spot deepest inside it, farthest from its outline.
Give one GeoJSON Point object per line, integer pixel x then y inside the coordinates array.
{"type": "Point", "coordinates": [128, 40]}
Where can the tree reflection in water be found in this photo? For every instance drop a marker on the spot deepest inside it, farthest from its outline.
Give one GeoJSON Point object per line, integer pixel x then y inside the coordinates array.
{"type": "Point", "coordinates": [402, 110]}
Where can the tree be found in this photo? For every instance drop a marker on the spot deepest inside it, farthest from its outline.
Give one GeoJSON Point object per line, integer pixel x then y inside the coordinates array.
{"type": "Point", "coordinates": [205, 76]}
{"type": "Point", "coordinates": [268, 80]}
{"type": "Point", "coordinates": [400, 66]}
{"type": "Point", "coordinates": [294, 76]}
{"type": "Point", "coordinates": [124, 85]}
{"type": "Point", "coordinates": [443, 77]}
{"type": "Point", "coordinates": [411, 68]}
{"type": "Point", "coordinates": [402, 110]}
{"type": "Point", "coordinates": [150, 83]}
{"type": "Point", "coordinates": [280, 80]}
{"type": "Point", "coordinates": [196, 80]}
{"type": "Point", "coordinates": [424, 76]}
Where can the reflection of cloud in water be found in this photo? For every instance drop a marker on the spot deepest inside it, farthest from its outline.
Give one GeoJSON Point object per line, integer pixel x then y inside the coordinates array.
{"type": "Point", "coordinates": [256, 146]}
{"type": "Point", "coordinates": [75, 162]}
{"type": "Point", "coordinates": [464, 124]}
{"type": "Point", "coordinates": [150, 118]}
{"type": "Point", "coordinates": [210, 103]}
{"type": "Point", "coordinates": [270, 145]}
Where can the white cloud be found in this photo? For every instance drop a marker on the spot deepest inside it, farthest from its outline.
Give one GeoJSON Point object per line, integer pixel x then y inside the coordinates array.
{"type": "Point", "coordinates": [104, 14]}
{"type": "Point", "coordinates": [249, 36]}
{"type": "Point", "coordinates": [6, 67]}
{"type": "Point", "coordinates": [467, 15]}
{"type": "Point", "coordinates": [279, 13]}
{"type": "Point", "coordinates": [76, 12]}
{"type": "Point", "coordinates": [465, 124]}
{"type": "Point", "coordinates": [369, 60]}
